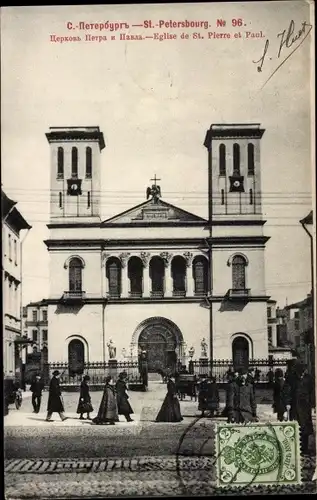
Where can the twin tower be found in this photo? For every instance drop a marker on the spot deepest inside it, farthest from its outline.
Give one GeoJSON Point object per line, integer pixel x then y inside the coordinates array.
{"type": "Point", "coordinates": [234, 173]}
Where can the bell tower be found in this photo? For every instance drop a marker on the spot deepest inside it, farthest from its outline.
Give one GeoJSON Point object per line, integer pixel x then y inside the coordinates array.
{"type": "Point", "coordinates": [75, 173]}
{"type": "Point", "coordinates": [235, 173]}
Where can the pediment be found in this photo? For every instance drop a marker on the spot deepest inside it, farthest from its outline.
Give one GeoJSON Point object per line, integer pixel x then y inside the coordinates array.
{"type": "Point", "coordinates": [155, 212]}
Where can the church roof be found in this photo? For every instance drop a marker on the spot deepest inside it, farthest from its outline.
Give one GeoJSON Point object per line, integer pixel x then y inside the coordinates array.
{"type": "Point", "coordinates": [155, 212]}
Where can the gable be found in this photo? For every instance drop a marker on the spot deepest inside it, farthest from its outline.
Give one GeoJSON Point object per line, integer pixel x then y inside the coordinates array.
{"type": "Point", "coordinates": [155, 212]}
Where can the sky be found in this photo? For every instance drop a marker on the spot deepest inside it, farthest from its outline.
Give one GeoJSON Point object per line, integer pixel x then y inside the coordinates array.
{"type": "Point", "coordinates": [154, 101]}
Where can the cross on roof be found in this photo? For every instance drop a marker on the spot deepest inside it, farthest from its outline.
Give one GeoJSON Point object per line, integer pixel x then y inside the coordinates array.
{"type": "Point", "coordinates": [155, 179]}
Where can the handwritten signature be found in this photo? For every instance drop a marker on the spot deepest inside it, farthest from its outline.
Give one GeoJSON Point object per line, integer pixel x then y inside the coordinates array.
{"type": "Point", "coordinates": [288, 39]}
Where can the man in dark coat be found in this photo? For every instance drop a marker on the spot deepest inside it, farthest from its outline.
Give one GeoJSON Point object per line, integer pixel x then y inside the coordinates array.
{"type": "Point", "coordinates": [279, 402]}
{"type": "Point", "coordinates": [241, 401]}
{"type": "Point", "coordinates": [251, 377]}
{"type": "Point", "coordinates": [300, 400]}
{"type": "Point", "coordinates": [143, 368]}
{"type": "Point", "coordinates": [36, 388]}
{"type": "Point", "coordinates": [55, 402]}
{"type": "Point", "coordinates": [124, 407]}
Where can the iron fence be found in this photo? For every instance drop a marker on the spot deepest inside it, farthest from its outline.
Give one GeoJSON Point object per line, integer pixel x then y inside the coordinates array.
{"type": "Point", "coordinates": [264, 368]}
{"type": "Point", "coordinates": [97, 371]}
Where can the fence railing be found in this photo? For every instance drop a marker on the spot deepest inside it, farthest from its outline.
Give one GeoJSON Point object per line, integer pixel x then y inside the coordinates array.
{"type": "Point", "coordinates": [264, 368]}
{"type": "Point", "coordinates": [97, 371]}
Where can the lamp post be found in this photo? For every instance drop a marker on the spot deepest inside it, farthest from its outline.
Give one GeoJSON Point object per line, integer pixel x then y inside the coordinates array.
{"type": "Point", "coordinates": [308, 221]}
{"type": "Point", "coordinates": [191, 353]}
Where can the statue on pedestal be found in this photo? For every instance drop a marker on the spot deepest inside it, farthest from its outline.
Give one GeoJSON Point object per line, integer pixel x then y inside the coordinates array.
{"type": "Point", "coordinates": [204, 348]}
{"type": "Point", "coordinates": [111, 349]}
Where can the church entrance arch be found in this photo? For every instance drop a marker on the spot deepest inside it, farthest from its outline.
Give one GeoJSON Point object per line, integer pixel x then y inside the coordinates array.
{"type": "Point", "coordinates": [76, 357]}
{"type": "Point", "coordinates": [163, 342]}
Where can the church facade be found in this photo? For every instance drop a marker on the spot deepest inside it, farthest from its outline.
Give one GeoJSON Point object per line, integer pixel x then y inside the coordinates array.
{"type": "Point", "coordinates": [157, 277]}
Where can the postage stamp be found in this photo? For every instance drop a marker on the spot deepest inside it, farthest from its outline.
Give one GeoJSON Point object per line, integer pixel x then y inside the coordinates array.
{"type": "Point", "coordinates": [258, 454]}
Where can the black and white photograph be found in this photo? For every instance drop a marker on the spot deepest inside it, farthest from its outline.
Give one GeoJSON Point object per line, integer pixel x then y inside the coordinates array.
{"type": "Point", "coordinates": [158, 249]}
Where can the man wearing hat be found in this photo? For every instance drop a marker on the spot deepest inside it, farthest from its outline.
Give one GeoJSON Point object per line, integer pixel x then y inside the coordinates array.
{"type": "Point", "coordinates": [55, 402]}
{"type": "Point", "coordinates": [36, 388]}
{"type": "Point", "coordinates": [241, 400]}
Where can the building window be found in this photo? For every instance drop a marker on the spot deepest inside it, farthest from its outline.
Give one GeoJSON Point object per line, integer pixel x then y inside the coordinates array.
{"type": "Point", "coordinates": [135, 274]}
{"type": "Point", "coordinates": [296, 314]}
{"type": "Point", "coordinates": [179, 276]}
{"type": "Point", "coordinates": [113, 273]}
{"type": "Point", "coordinates": [251, 196]}
{"type": "Point", "coordinates": [44, 336]}
{"type": "Point", "coordinates": [75, 275]}
{"type": "Point", "coordinates": [157, 275]}
{"type": "Point", "coordinates": [74, 163]}
{"type": "Point", "coordinates": [250, 159]}
{"type": "Point", "coordinates": [296, 324]}
{"type": "Point", "coordinates": [222, 159]}
{"type": "Point", "coordinates": [10, 247]}
{"type": "Point", "coordinates": [34, 335]}
{"type": "Point", "coordinates": [238, 272]}
{"type": "Point", "coordinates": [88, 163]}
{"type": "Point", "coordinates": [269, 335]}
{"type": "Point", "coordinates": [200, 270]}
{"type": "Point", "coordinates": [34, 315]}
{"type": "Point", "coordinates": [269, 312]}
{"type": "Point", "coordinates": [44, 315]}
{"type": "Point", "coordinates": [60, 163]}
{"type": "Point", "coordinates": [88, 199]}
{"type": "Point", "coordinates": [236, 159]}
{"type": "Point", "coordinates": [15, 252]}
{"type": "Point", "coordinates": [60, 200]}
{"type": "Point", "coordinates": [222, 197]}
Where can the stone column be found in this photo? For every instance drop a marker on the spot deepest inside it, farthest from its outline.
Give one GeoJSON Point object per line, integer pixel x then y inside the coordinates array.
{"type": "Point", "coordinates": [124, 257]}
{"type": "Point", "coordinates": [189, 274]}
{"type": "Point", "coordinates": [167, 257]}
{"type": "Point", "coordinates": [145, 257]}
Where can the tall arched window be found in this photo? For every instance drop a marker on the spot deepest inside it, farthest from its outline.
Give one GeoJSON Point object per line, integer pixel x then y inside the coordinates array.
{"type": "Point", "coordinates": [179, 276]}
{"type": "Point", "coordinates": [135, 273]}
{"type": "Point", "coordinates": [222, 159]}
{"type": "Point", "coordinates": [238, 272]}
{"type": "Point", "coordinates": [75, 275]}
{"type": "Point", "coordinates": [76, 357]}
{"type": "Point", "coordinates": [113, 274]}
{"type": "Point", "coordinates": [88, 162]}
{"type": "Point", "coordinates": [157, 273]}
{"type": "Point", "coordinates": [250, 159]}
{"type": "Point", "coordinates": [236, 159]}
{"type": "Point", "coordinates": [200, 266]}
{"type": "Point", "coordinates": [74, 162]}
{"type": "Point", "coordinates": [60, 163]}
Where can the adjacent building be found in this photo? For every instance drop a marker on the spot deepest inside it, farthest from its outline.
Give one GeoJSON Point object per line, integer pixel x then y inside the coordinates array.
{"type": "Point", "coordinates": [156, 276]}
{"type": "Point", "coordinates": [12, 224]}
{"type": "Point", "coordinates": [36, 323]}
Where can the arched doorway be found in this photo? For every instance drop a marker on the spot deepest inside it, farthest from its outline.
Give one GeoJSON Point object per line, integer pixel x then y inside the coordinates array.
{"type": "Point", "coordinates": [76, 357]}
{"type": "Point", "coordinates": [240, 353]}
{"type": "Point", "coordinates": [163, 341]}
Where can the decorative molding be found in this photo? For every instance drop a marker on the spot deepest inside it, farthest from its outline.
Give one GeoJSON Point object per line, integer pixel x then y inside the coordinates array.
{"type": "Point", "coordinates": [145, 257]}
{"type": "Point", "coordinates": [189, 258]}
{"type": "Point", "coordinates": [124, 257]}
{"type": "Point", "coordinates": [105, 257]}
{"type": "Point", "coordinates": [67, 261]}
{"type": "Point", "coordinates": [237, 254]}
{"type": "Point", "coordinates": [167, 257]}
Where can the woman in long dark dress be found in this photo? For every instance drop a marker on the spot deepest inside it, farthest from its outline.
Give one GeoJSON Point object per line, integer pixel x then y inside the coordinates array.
{"type": "Point", "coordinates": [170, 410]}
{"type": "Point", "coordinates": [124, 407]}
{"type": "Point", "coordinates": [84, 403]}
{"type": "Point", "coordinates": [108, 409]}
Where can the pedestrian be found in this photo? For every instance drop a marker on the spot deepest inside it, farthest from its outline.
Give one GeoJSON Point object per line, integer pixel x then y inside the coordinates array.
{"type": "Point", "coordinates": [55, 401]}
{"type": "Point", "coordinates": [232, 377]}
{"type": "Point", "coordinates": [84, 403]}
{"type": "Point", "coordinates": [202, 396]}
{"type": "Point", "coordinates": [251, 377]}
{"type": "Point", "coordinates": [124, 407]}
{"type": "Point", "coordinates": [257, 375]}
{"type": "Point", "coordinates": [143, 368]}
{"type": "Point", "coordinates": [279, 400]}
{"type": "Point", "coordinates": [36, 388]}
{"type": "Point", "coordinates": [241, 401]}
{"type": "Point", "coordinates": [270, 377]}
{"type": "Point", "coordinates": [170, 410]}
{"type": "Point", "coordinates": [300, 400]}
{"type": "Point", "coordinates": [108, 409]}
{"type": "Point", "coordinates": [212, 401]}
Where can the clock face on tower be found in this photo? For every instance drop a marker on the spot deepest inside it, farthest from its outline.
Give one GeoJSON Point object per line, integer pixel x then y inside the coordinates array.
{"type": "Point", "coordinates": [236, 184]}
{"type": "Point", "coordinates": [74, 187]}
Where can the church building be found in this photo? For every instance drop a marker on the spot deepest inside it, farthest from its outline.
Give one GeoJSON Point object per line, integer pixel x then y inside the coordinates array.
{"type": "Point", "coordinates": [157, 277]}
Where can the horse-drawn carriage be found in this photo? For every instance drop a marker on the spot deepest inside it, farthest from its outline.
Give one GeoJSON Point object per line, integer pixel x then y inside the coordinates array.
{"type": "Point", "coordinates": [186, 385]}
{"type": "Point", "coordinates": [12, 394]}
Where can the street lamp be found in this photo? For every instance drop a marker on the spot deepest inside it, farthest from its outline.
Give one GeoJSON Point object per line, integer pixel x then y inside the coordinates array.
{"type": "Point", "coordinates": [191, 352]}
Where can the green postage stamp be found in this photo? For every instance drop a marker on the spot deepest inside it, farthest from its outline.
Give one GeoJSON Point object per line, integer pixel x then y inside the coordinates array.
{"type": "Point", "coordinates": [258, 454]}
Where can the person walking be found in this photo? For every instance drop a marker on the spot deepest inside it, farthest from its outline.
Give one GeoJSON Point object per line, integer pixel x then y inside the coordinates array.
{"type": "Point", "coordinates": [279, 401]}
{"type": "Point", "coordinates": [84, 403]}
{"type": "Point", "coordinates": [36, 388]}
{"type": "Point", "coordinates": [124, 407]}
{"type": "Point", "coordinates": [170, 410]}
{"type": "Point", "coordinates": [55, 401]}
{"type": "Point", "coordinates": [300, 400]}
{"type": "Point", "coordinates": [108, 409]}
{"type": "Point", "coordinates": [241, 401]}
